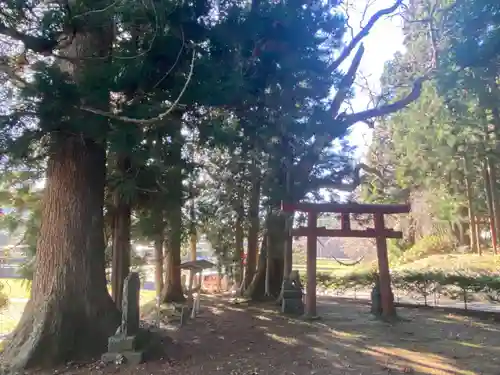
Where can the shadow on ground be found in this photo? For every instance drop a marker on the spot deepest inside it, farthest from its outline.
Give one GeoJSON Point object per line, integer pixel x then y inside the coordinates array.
{"type": "Point", "coordinates": [242, 339]}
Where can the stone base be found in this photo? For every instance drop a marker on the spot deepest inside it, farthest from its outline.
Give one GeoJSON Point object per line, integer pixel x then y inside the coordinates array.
{"type": "Point", "coordinates": [121, 343]}
{"type": "Point", "coordinates": [311, 318]}
{"type": "Point", "coordinates": [132, 358]}
{"type": "Point", "coordinates": [292, 306]}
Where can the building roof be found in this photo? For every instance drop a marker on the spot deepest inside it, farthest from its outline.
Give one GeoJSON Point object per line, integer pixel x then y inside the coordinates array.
{"type": "Point", "coordinates": [199, 265]}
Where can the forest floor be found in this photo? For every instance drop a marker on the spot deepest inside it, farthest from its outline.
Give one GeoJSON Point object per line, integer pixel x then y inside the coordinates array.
{"type": "Point", "coordinates": [242, 339]}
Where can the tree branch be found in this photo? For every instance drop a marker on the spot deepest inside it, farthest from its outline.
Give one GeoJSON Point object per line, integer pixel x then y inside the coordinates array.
{"type": "Point", "coordinates": [363, 33]}
{"type": "Point", "coordinates": [350, 119]}
{"type": "Point", "coordinates": [357, 179]}
{"type": "Point", "coordinates": [161, 116]}
{"type": "Point", "coordinates": [306, 164]}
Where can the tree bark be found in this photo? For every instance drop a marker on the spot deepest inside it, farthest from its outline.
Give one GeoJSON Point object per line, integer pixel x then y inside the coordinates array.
{"type": "Point", "coordinates": [288, 247]}
{"type": "Point", "coordinates": [489, 201]}
{"type": "Point", "coordinates": [253, 232]}
{"type": "Point", "coordinates": [239, 244]}
{"type": "Point", "coordinates": [158, 244]}
{"type": "Point", "coordinates": [193, 238]}
{"type": "Point", "coordinates": [70, 313]}
{"type": "Point", "coordinates": [493, 174]}
{"type": "Point", "coordinates": [256, 289]}
{"type": "Point", "coordinates": [121, 236]}
{"type": "Point", "coordinates": [159, 240]}
{"type": "Point", "coordinates": [492, 180]}
{"type": "Point", "coordinates": [172, 291]}
{"type": "Point", "coordinates": [470, 207]}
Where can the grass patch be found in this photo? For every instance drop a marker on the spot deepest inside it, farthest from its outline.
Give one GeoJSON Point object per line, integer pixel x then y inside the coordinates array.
{"type": "Point", "coordinates": [7, 323]}
{"type": "Point", "coordinates": [450, 263]}
{"type": "Point", "coordinates": [446, 263]}
{"type": "Point", "coordinates": [15, 288]}
{"type": "Point", "coordinates": [19, 289]}
{"type": "Point", "coordinates": [147, 296]}
{"type": "Point", "coordinates": [324, 266]}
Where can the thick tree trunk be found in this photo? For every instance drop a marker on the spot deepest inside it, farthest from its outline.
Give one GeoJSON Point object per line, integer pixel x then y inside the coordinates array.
{"type": "Point", "coordinates": [253, 231]}
{"type": "Point", "coordinates": [172, 291]}
{"type": "Point", "coordinates": [288, 248]}
{"type": "Point", "coordinates": [492, 180]}
{"type": "Point", "coordinates": [121, 237]}
{"type": "Point", "coordinates": [158, 265]}
{"type": "Point", "coordinates": [256, 289]}
{"type": "Point", "coordinates": [159, 239]}
{"type": "Point", "coordinates": [489, 201]}
{"type": "Point", "coordinates": [272, 248]}
{"type": "Point", "coordinates": [70, 313]}
{"type": "Point", "coordinates": [493, 171]}
{"type": "Point", "coordinates": [239, 246]}
{"type": "Point", "coordinates": [193, 238]}
{"type": "Point", "coordinates": [470, 206]}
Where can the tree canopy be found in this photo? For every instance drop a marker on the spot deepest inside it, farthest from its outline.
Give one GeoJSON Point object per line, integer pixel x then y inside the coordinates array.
{"type": "Point", "coordinates": [163, 121]}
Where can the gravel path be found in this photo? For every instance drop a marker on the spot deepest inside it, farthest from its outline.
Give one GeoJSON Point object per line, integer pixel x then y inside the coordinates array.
{"type": "Point", "coordinates": [233, 339]}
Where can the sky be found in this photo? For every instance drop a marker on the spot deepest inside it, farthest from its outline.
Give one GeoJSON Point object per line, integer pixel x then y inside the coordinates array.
{"type": "Point", "coordinates": [385, 39]}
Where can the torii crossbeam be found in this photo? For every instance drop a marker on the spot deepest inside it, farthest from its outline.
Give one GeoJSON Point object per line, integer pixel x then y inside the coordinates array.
{"type": "Point", "coordinates": [379, 232]}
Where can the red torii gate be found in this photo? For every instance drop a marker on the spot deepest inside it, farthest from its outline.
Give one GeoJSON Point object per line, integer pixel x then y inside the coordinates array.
{"type": "Point", "coordinates": [379, 232]}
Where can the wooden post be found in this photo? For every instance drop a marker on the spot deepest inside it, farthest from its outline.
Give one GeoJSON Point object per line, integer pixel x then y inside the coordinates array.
{"type": "Point", "coordinates": [311, 265]}
{"type": "Point", "coordinates": [386, 295]}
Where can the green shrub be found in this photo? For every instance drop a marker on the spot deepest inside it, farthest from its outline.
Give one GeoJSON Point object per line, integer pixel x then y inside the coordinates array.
{"type": "Point", "coordinates": [421, 284]}
{"type": "Point", "coordinates": [491, 287]}
{"type": "Point", "coordinates": [458, 285]}
{"type": "Point", "coordinates": [426, 246]}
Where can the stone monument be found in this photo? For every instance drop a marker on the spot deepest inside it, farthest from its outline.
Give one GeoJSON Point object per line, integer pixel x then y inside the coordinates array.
{"type": "Point", "coordinates": [122, 346]}
{"type": "Point", "coordinates": [292, 302]}
{"type": "Point", "coordinates": [376, 298]}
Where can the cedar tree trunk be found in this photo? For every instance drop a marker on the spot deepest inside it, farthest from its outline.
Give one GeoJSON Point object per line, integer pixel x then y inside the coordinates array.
{"type": "Point", "coordinates": [256, 289]}
{"type": "Point", "coordinates": [70, 313]}
{"type": "Point", "coordinates": [253, 232]}
{"type": "Point", "coordinates": [158, 264]}
{"type": "Point", "coordinates": [121, 237]}
{"type": "Point", "coordinates": [172, 291]}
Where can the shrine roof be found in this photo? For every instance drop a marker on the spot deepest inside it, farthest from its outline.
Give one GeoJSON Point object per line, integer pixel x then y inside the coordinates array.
{"type": "Point", "coordinates": [199, 265]}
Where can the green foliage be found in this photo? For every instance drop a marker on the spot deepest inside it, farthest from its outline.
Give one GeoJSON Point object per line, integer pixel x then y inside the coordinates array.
{"type": "Point", "coordinates": [426, 246]}
{"type": "Point", "coordinates": [20, 200]}
{"type": "Point", "coordinates": [420, 284]}
{"type": "Point", "coordinates": [423, 285]}
{"type": "Point", "coordinates": [431, 152]}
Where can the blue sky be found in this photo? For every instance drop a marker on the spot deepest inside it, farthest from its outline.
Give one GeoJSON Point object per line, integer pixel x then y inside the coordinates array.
{"type": "Point", "coordinates": [385, 39]}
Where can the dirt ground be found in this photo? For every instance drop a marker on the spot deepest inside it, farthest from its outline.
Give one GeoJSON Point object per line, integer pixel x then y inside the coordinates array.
{"type": "Point", "coordinates": [234, 339]}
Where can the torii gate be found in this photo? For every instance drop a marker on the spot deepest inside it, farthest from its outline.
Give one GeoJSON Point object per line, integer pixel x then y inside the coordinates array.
{"type": "Point", "coordinates": [380, 233]}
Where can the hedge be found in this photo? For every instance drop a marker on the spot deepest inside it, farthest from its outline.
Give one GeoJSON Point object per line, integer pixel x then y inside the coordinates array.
{"type": "Point", "coordinates": [426, 285]}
